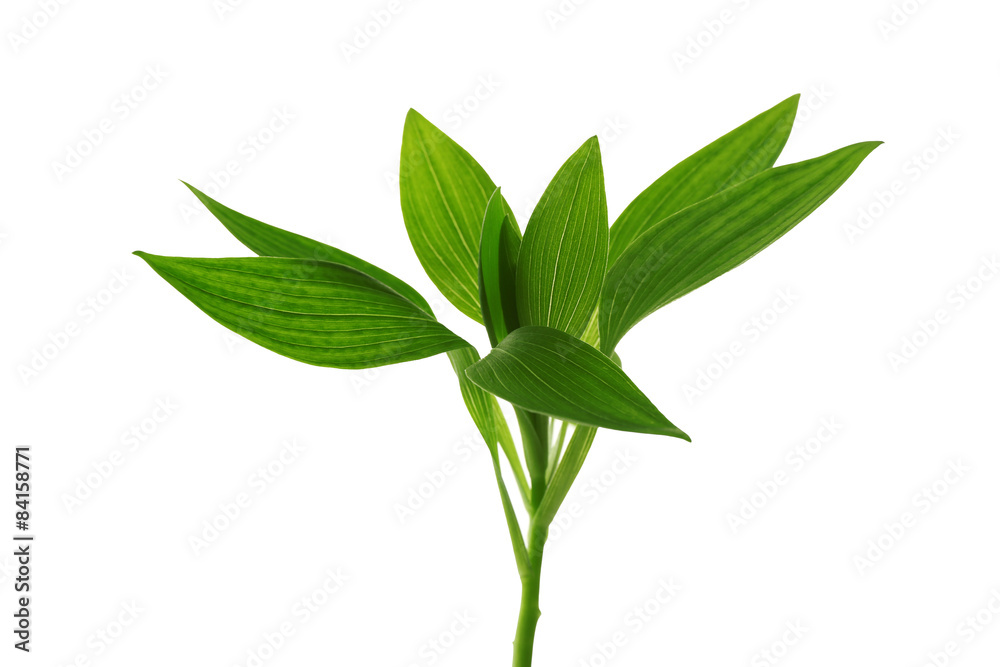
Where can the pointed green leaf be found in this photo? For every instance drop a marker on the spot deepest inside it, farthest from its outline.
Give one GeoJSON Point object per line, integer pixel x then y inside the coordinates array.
{"type": "Point", "coordinates": [498, 250]}
{"type": "Point", "coordinates": [703, 241]}
{"type": "Point", "coordinates": [443, 192]}
{"type": "Point", "coordinates": [565, 474]}
{"type": "Point", "coordinates": [486, 414]}
{"type": "Point", "coordinates": [270, 241]}
{"type": "Point", "coordinates": [548, 371]}
{"type": "Point", "coordinates": [746, 151]}
{"type": "Point", "coordinates": [312, 311]}
{"type": "Point", "coordinates": [564, 253]}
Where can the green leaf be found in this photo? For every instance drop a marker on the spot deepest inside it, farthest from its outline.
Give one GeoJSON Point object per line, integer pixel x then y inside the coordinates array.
{"type": "Point", "coordinates": [486, 414]}
{"type": "Point", "coordinates": [569, 467]}
{"type": "Point", "coordinates": [313, 311]}
{"type": "Point", "coordinates": [498, 250]}
{"type": "Point", "coordinates": [548, 371]}
{"type": "Point", "coordinates": [592, 333]}
{"type": "Point", "coordinates": [534, 428]}
{"type": "Point", "coordinates": [443, 192]}
{"type": "Point", "coordinates": [703, 241]}
{"type": "Point", "coordinates": [746, 151]}
{"type": "Point", "coordinates": [564, 253]}
{"type": "Point", "coordinates": [270, 241]}
{"type": "Point", "coordinates": [489, 420]}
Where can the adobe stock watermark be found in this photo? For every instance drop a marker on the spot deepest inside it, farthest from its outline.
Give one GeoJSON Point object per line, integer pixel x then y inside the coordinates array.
{"type": "Point", "coordinates": [247, 150]}
{"type": "Point", "coordinates": [912, 171]}
{"type": "Point", "coordinates": [363, 379]}
{"type": "Point", "coordinates": [970, 628]}
{"type": "Point", "coordinates": [921, 504]}
{"type": "Point", "coordinates": [57, 341]}
{"type": "Point", "coordinates": [810, 102]}
{"type": "Point", "coordinates": [589, 493]}
{"type": "Point", "coordinates": [33, 23]}
{"type": "Point", "coordinates": [7, 570]}
{"type": "Point", "coordinates": [711, 30]}
{"type": "Point", "coordinates": [434, 648]}
{"type": "Point", "coordinates": [371, 28]}
{"type": "Point", "coordinates": [563, 11]}
{"type": "Point", "coordinates": [956, 299]}
{"type": "Point", "coordinates": [234, 341]}
{"type": "Point", "coordinates": [131, 441]}
{"type": "Point", "coordinates": [637, 619]}
{"type": "Point", "coordinates": [108, 634]}
{"type": "Point", "coordinates": [463, 109]}
{"type": "Point", "coordinates": [303, 610]}
{"type": "Point", "coordinates": [899, 15]}
{"type": "Point", "coordinates": [423, 491]}
{"type": "Point", "coordinates": [795, 461]}
{"type": "Point", "coordinates": [611, 130]}
{"type": "Point", "coordinates": [223, 8]}
{"type": "Point", "coordinates": [751, 331]}
{"type": "Point", "coordinates": [528, 204]}
{"type": "Point", "coordinates": [779, 649]}
{"type": "Point", "coordinates": [122, 107]}
{"type": "Point", "coordinates": [391, 179]}
{"type": "Point", "coordinates": [257, 484]}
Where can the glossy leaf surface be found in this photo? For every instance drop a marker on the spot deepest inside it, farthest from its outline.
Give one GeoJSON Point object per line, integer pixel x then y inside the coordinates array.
{"type": "Point", "coordinates": [564, 254]}
{"type": "Point", "coordinates": [497, 271]}
{"type": "Point", "coordinates": [317, 312]}
{"type": "Point", "coordinates": [741, 154]}
{"type": "Point", "coordinates": [547, 371]}
{"type": "Point", "coordinates": [443, 193]}
{"type": "Point", "coordinates": [270, 241]}
{"type": "Point", "coordinates": [703, 241]}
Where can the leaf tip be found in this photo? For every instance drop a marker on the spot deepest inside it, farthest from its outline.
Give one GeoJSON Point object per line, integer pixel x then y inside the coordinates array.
{"type": "Point", "coordinates": [149, 258]}
{"type": "Point", "coordinates": [413, 117]}
{"type": "Point", "coordinates": [146, 257]}
{"type": "Point", "coordinates": [202, 197]}
{"type": "Point", "coordinates": [866, 147]}
{"type": "Point", "coordinates": [668, 429]}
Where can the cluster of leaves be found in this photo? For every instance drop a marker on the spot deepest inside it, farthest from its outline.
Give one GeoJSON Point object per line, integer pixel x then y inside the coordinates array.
{"type": "Point", "coordinates": [555, 302]}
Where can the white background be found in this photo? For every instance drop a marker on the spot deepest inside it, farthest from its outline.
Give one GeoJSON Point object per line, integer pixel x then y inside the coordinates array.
{"type": "Point", "coordinates": [557, 76]}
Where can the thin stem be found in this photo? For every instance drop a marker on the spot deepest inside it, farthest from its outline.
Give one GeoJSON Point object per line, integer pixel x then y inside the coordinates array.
{"type": "Point", "coordinates": [555, 451]}
{"type": "Point", "coordinates": [516, 539]}
{"type": "Point", "coordinates": [534, 437]}
{"type": "Point", "coordinates": [527, 620]}
{"type": "Point", "coordinates": [510, 452]}
{"type": "Point", "coordinates": [566, 472]}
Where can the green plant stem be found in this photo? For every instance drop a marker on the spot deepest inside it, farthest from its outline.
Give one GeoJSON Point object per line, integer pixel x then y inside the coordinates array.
{"type": "Point", "coordinates": [527, 620]}
{"type": "Point", "coordinates": [506, 443]}
{"type": "Point", "coordinates": [535, 438]}
{"type": "Point", "coordinates": [555, 451]}
{"type": "Point", "coordinates": [565, 474]}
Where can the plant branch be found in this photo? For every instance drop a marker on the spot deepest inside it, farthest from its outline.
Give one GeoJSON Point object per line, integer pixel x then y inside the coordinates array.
{"type": "Point", "coordinates": [565, 474]}
{"type": "Point", "coordinates": [555, 450]}
{"type": "Point", "coordinates": [534, 437]}
{"type": "Point", "coordinates": [513, 527]}
{"type": "Point", "coordinates": [510, 451]}
{"type": "Point", "coordinates": [527, 620]}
